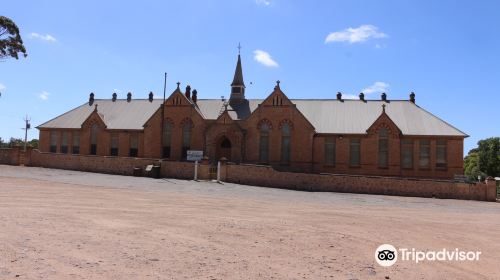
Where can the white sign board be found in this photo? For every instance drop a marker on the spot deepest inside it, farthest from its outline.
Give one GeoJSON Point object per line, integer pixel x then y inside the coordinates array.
{"type": "Point", "coordinates": [193, 155]}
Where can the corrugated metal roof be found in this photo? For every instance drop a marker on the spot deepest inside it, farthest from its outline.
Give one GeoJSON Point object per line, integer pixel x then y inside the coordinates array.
{"type": "Point", "coordinates": [327, 116]}
{"type": "Point", "coordinates": [356, 116]}
{"type": "Point", "coordinates": [116, 115]}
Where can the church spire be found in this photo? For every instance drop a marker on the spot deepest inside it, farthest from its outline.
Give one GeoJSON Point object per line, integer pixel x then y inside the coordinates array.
{"type": "Point", "coordinates": [238, 85]}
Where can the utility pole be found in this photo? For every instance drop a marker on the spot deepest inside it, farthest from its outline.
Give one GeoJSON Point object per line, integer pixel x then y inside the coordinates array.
{"type": "Point", "coordinates": [26, 127]}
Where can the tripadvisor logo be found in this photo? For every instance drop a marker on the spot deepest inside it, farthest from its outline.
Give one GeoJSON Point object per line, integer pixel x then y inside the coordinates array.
{"type": "Point", "coordinates": [387, 255]}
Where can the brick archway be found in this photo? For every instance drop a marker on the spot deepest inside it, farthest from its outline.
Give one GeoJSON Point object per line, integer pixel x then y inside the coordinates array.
{"type": "Point", "coordinates": [229, 135]}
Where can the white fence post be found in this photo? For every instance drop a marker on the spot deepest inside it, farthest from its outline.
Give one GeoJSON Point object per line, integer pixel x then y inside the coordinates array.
{"type": "Point", "coordinates": [218, 172]}
{"type": "Point", "coordinates": [196, 170]}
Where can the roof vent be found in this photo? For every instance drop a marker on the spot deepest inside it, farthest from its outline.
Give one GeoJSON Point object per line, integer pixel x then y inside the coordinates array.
{"type": "Point", "coordinates": [129, 96]}
{"type": "Point", "coordinates": [91, 99]}
{"type": "Point", "coordinates": [113, 97]}
{"type": "Point", "coordinates": [339, 95]}
{"type": "Point", "coordinates": [150, 96]}
{"type": "Point", "coordinates": [188, 91]}
{"type": "Point", "coordinates": [361, 96]}
{"type": "Point", "coordinates": [195, 96]}
{"type": "Point", "coordinates": [412, 97]}
{"type": "Point", "coordinates": [384, 96]}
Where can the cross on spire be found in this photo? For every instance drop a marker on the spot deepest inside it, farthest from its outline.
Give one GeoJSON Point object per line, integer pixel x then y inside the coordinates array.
{"type": "Point", "coordinates": [178, 84]}
{"type": "Point", "coordinates": [383, 108]}
{"type": "Point", "coordinates": [239, 48]}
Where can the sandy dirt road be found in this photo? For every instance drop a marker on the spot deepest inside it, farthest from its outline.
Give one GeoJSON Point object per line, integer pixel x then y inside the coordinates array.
{"type": "Point", "coordinates": [57, 224]}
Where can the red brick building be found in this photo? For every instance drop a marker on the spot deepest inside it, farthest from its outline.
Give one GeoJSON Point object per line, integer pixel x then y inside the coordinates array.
{"type": "Point", "coordinates": [372, 137]}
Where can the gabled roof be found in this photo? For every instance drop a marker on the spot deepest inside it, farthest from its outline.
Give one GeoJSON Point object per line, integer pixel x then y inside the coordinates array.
{"type": "Point", "coordinates": [326, 115]}
{"type": "Point", "coordinates": [356, 116]}
{"type": "Point", "coordinates": [117, 115]}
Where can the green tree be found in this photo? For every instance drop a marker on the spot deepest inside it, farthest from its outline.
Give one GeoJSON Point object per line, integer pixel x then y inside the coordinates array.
{"type": "Point", "coordinates": [15, 142]}
{"type": "Point", "coordinates": [10, 40]}
{"type": "Point", "coordinates": [489, 156]}
{"type": "Point", "coordinates": [33, 143]}
{"type": "Point", "coordinates": [484, 160]}
{"type": "Point", "coordinates": [471, 166]}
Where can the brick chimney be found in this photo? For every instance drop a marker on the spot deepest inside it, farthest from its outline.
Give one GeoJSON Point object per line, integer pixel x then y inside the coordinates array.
{"type": "Point", "coordinates": [412, 97]}
{"type": "Point", "coordinates": [129, 96]}
{"type": "Point", "coordinates": [113, 97]}
{"type": "Point", "coordinates": [195, 96]}
{"type": "Point", "coordinates": [150, 96]}
{"type": "Point", "coordinates": [188, 91]}
{"type": "Point", "coordinates": [91, 99]}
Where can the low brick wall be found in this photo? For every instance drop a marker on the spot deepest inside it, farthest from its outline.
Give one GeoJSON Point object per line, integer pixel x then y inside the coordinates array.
{"type": "Point", "coordinates": [110, 165]}
{"type": "Point", "coordinates": [264, 176]}
{"type": "Point", "coordinates": [99, 164]}
{"type": "Point", "coordinates": [268, 177]}
{"type": "Point", "coordinates": [177, 169]}
{"type": "Point", "coordinates": [9, 156]}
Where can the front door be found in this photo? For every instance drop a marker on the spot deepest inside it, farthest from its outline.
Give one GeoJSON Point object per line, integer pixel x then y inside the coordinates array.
{"type": "Point", "coordinates": [224, 149]}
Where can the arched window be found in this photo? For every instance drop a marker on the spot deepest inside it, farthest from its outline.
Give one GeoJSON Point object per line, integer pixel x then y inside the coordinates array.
{"type": "Point", "coordinates": [134, 145]}
{"type": "Point", "coordinates": [285, 142]}
{"type": "Point", "coordinates": [94, 129]}
{"type": "Point", "coordinates": [167, 139]}
{"type": "Point", "coordinates": [383, 148]}
{"type": "Point", "coordinates": [264, 143]}
{"type": "Point", "coordinates": [186, 138]}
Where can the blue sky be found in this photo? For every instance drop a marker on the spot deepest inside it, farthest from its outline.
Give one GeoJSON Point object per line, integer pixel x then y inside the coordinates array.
{"type": "Point", "coordinates": [447, 52]}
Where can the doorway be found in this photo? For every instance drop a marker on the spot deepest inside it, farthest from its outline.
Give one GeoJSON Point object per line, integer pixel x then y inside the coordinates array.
{"type": "Point", "coordinates": [224, 148]}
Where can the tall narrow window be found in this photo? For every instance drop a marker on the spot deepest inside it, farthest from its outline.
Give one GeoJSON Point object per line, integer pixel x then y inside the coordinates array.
{"type": "Point", "coordinates": [53, 141]}
{"type": "Point", "coordinates": [64, 142]}
{"type": "Point", "coordinates": [264, 143]}
{"type": "Point", "coordinates": [114, 144]}
{"type": "Point", "coordinates": [383, 148]}
{"type": "Point", "coordinates": [167, 139]}
{"type": "Point", "coordinates": [424, 158]}
{"type": "Point", "coordinates": [285, 143]}
{"type": "Point", "coordinates": [330, 151]}
{"type": "Point", "coordinates": [93, 139]}
{"type": "Point", "coordinates": [407, 153]}
{"type": "Point", "coordinates": [355, 152]}
{"type": "Point", "coordinates": [186, 139]}
{"type": "Point", "coordinates": [76, 143]}
{"type": "Point", "coordinates": [134, 145]}
{"type": "Point", "coordinates": [441, 154]}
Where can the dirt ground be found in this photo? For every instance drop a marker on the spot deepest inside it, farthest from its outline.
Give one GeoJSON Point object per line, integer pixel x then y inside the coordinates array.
{"type": "Point", "coordinates": [57, 224]}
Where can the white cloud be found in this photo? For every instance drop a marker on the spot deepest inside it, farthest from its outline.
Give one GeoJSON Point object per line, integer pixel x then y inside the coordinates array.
{"type": "Point", "coordinates": [377, 87]}
{"type": "Point", "coordinates": [46, 37]}
{"type": "Point", "coordinates": [44, 95]}
{"type": "Point", "coordinates": [355, 35]}
{"type": "Point", "coordinates": [263, 2]}
{"type": "Point", "coordinates": [2, 87]}
{"type": "Point", "coordinates": [117, 90]}
{"type": "Point", "coordinates": [264, 58]}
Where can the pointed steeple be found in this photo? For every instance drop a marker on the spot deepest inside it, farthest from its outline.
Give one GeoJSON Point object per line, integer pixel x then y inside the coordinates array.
{"type": "Point", "coordinates": [238, 85]}
{"type": "Point", "coordinates": [238, 74]}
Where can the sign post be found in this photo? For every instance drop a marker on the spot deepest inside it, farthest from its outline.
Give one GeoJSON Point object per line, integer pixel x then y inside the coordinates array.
{"type": "Point", "coordinates": [196, 170]}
